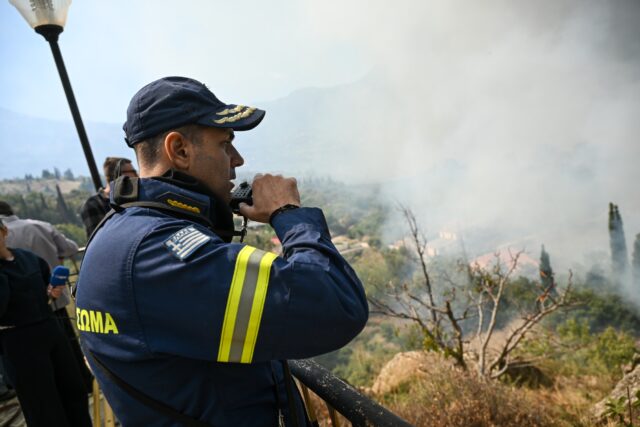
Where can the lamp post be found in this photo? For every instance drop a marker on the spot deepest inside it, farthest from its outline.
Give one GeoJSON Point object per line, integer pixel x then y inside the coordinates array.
{"type": "Point", "coordinates": [47, 18]}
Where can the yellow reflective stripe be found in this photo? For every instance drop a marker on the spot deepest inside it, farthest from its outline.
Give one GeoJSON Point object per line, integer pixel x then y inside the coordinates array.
{"type": "Point", "coordinates": [258, 305]}
{"type": "Point", "coordinates": [233, 302]}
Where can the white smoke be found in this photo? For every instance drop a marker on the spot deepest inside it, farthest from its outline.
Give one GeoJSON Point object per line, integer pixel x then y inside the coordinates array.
{"type": "Point", "coordinates": [516, 115]}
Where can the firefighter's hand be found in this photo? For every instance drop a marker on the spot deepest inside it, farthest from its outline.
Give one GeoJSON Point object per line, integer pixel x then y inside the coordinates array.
{"type": "Point", "coordinates": [54, 291]}
{"type": "Point", "coordinates": [270, 192]}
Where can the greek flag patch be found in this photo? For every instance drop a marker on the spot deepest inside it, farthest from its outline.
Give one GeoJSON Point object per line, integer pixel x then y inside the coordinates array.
{"type": "Point", "coordinates": [185, 242]}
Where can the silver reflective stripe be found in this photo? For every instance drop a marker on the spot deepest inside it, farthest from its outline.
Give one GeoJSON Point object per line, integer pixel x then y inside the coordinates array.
{"type": "Point", "coordinates": [244, 308]}
{"type": "Point", "coordinates": [245, 303]}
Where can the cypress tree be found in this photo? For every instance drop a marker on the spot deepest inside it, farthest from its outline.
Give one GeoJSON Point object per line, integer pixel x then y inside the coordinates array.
{"type": "Point", "coordinates": [62, 207]}
{"type": "Point", "coordinates": [546, 272]}
{"type": "Point", "coordinates": [23, 211]}
{"type": "Point", "coordinates": [43, 203]}
{"type": "Point", "coordinates": [619, 257]}
{"type": "Point", "coordinates": [636, 261]}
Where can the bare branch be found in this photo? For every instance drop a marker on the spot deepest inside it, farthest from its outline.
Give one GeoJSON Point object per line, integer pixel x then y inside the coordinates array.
{"type": "Point", "coordinates": [479, 297]}
{"type": "Point", "coordinates": [502, 281]}
{"type": "Point", "coordinates": [479, 305]}
{"type": "Point", "coordinates": [459, 353]}
{"type": "Point", "coordinates": [421, 244]}
{"type": "Point", "coordinates": [518, 334]}
{"type": "Point", "coordinates": [501, 371]}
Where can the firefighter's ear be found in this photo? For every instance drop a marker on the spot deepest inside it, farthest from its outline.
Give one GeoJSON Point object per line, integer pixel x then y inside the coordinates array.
{"type": "Point", "coordinates": [178, 150]}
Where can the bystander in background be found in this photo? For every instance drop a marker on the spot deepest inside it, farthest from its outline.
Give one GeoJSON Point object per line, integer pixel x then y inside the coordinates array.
{"type": "Point", "coordinates": [44, 372]}
{"type": "Point", "coordinates": [97, 206]}
{"type": "Point", "coordinates": [44, 240]}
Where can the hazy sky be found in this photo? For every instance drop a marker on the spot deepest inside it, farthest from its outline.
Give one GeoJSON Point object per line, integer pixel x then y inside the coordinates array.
{"type": "Point", "coordinates": [246, 51]}
{"type": "Point", "coordinates": [516, 112]}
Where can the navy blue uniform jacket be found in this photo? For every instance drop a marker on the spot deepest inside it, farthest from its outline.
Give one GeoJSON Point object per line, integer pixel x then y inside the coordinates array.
{"type": "Point", "coordinates": [198, 323]}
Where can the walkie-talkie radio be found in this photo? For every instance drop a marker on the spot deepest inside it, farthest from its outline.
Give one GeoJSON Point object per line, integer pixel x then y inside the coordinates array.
{"type": "Point", "coordinates": [241, 194]}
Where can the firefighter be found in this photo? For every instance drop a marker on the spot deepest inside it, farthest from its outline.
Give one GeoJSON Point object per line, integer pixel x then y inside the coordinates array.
{"type": "Point", "coordinates": [182, 326]}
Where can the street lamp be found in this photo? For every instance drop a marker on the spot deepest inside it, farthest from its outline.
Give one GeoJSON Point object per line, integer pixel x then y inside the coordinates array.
{"type": "Point", "coordinates": [47, 18]}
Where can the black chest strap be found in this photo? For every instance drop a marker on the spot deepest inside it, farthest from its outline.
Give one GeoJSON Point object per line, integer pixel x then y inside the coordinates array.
{"type": "Point", "coordinates": [146, 400]}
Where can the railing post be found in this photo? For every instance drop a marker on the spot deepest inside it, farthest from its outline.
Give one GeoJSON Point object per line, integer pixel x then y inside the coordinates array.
{"type": "Point", "coordinates": [109, 418]}
{"type": "Point", "coordinates": [311, 410]}
{"type": "Point", "coordinates": [96, 404]}
{"type": "Point", "coordinates": [353, 405]}
{"type": "Point", "coordinates": [333, 416]}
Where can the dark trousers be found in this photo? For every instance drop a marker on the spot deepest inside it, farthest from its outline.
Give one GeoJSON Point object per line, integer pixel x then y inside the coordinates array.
{"type": "Point", "coordinates": [46, 376]}
{"type": "Point", "coordinates": [65, 323]}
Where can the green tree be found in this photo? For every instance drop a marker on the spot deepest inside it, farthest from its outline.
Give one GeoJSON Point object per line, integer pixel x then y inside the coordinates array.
{"type": "Point", "coordinates": [573, 348]}
{"type": "Point", "coordinates": [43, 203]}
{"type": "Point", "coordinates": [35, 205]}
{"type": "Point", "coordinates": [62, 206]}
{"type": "Point", "coordinates": [635, 263]}
{"type": "Point", "coordinates": [546, 272]}
{"type": "Point", "coordinates": [617, 241]}
{"type": "Point", "coordinates": [23, 209]}
{"type": "Point", "coordinates": [602, 309]}
{"type": "Point", "coordinates": [73, 232]}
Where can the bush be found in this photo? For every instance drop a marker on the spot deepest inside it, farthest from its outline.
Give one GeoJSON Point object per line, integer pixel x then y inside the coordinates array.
{"type": "Point", "coordinates": [573, 349]}
{"type": "Point", "coordinates": [453, 398]}
{"type": "Point", "coordinates": [73, 232]}
{"type": "Point", "coordinates": [603, 308]}
{"type": "Point", "coordinates": [360, 362]}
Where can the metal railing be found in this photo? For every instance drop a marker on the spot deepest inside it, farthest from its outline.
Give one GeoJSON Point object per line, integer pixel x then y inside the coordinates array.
{"type": "Point", "coordinates": [358, 409]}
{"type": "Point", "coordinates": [338, 396]}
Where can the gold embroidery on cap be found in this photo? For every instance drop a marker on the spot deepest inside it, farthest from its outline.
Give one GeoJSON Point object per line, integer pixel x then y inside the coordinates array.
{"type": "Point", "coordinates": [246, 113]}
{"type": "Point", "coordinates": [230, 110]}
{"type": "Point", "coordinates": [180, 205]}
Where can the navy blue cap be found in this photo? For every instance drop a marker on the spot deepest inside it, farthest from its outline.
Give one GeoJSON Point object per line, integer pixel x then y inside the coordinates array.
{"type": "Point", "coordinates": [171, 102]}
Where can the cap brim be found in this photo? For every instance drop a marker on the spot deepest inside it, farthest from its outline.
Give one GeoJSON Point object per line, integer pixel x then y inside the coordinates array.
{"type": "Point", "coordinates": [236, 117]}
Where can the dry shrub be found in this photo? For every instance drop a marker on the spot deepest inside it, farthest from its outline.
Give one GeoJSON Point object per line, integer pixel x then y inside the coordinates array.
{"type": "Point", "coordinates": [573, 397]}
{"type": "Point", "coordinates": [453, 398]}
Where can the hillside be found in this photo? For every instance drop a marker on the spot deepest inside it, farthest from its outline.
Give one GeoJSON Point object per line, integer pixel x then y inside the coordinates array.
{"type": "Point", "coordinates": [46, 186]}
{"type": "Point", "coordinates": [578, 351]}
